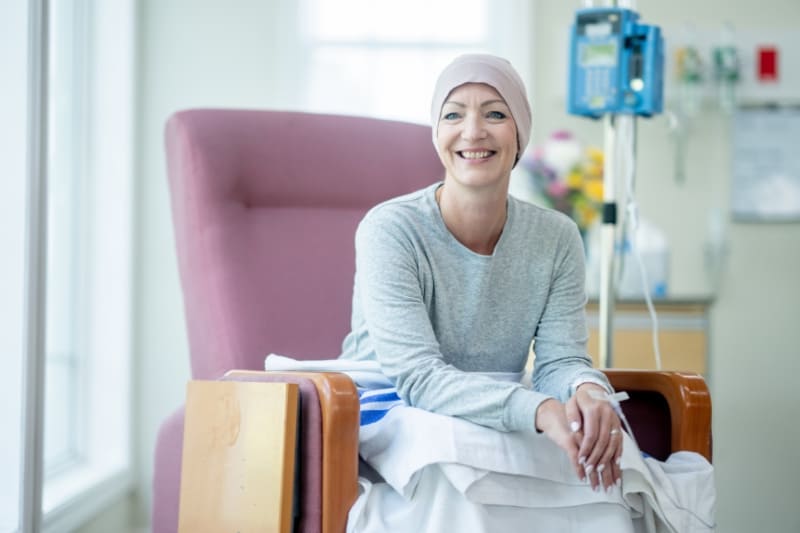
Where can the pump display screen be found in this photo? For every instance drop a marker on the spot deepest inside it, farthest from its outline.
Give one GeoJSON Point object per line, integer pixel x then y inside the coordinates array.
{"type": "Point", "coordinates": [598, 54]}
{"type": "Point", "coordinates": [598, 29]}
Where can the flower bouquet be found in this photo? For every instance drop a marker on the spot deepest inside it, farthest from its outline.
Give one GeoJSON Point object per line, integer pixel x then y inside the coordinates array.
{"type": "Point", "coordinates": [568, 177]}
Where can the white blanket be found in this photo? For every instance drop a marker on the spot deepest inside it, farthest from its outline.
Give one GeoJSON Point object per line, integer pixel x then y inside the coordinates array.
{"type": "Point", "coordinates": [442, 473]}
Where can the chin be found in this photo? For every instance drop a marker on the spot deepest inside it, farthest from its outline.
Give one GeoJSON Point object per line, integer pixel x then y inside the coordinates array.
{"type": "Point", "coordinates": [483, 180]}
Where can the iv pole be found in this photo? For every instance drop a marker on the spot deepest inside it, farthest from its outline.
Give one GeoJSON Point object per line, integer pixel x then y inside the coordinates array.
{"type": "Point", "coordinates": [612, 123]}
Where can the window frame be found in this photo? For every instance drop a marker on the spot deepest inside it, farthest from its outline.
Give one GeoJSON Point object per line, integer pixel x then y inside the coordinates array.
{"type": "Point", "coordinates": [97, 469]}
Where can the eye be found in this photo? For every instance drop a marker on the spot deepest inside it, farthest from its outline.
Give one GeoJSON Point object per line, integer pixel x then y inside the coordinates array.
{"type": "Point", "coordinates": [496, 115]}
{"type": "Point", "coordinates": [452, 115]}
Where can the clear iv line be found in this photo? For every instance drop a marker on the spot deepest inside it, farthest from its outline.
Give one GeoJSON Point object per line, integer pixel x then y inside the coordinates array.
{"type": "Point", "coordinates": [632, 216]}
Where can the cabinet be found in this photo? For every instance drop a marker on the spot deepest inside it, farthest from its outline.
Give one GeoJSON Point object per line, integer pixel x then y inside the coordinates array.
{"type": "Point", "coordinates": [683, 335]}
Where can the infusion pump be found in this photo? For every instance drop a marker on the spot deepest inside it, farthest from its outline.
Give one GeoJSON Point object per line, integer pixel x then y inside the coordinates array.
{"type": "Point", "coordinates": [616, 64]}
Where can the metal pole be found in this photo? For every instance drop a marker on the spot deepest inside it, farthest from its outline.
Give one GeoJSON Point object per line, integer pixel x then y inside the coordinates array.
{"type": "Point", "coordinates": [608, 237]}
{"type": "Point", "coordinates": [35, 282]}
{"type": "Point", "coordinates": [608, 231]}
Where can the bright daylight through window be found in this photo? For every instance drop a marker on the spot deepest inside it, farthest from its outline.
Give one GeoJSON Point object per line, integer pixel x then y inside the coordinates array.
{"type": "Point", "coordinates": [384, 61]}
{"type": "Point", "coordinates": [85, 323]}
{"type": "Point", "coordinates": [13, 135]}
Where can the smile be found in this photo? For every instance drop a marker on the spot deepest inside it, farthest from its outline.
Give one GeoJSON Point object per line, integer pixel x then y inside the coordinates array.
{"type": "Point", "coordinates": [475, 154]}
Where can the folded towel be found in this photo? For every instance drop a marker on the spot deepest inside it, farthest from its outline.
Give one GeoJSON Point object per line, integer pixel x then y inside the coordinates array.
{"type": "Point", "coordinates": [365, 374]}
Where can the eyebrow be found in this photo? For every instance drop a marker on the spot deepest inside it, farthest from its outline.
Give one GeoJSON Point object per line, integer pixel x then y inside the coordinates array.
{"type": "Point", "coordinates": [484, 104]}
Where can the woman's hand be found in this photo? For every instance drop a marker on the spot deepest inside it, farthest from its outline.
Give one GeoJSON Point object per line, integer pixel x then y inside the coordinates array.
{"type": "Point", "coordinates": [551, 419]}
{"type": "Point", "coordinates": [597, 431]}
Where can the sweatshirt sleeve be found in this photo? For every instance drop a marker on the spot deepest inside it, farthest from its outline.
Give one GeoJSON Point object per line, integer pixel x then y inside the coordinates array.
{"type": "Point", "coordinates": [403, 338]}
{"type": "Point", "coordinates": [561, 335]}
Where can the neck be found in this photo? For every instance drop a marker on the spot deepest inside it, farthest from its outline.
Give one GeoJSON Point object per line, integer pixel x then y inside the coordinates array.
{"type": "Point", "coordinates": [476, 219]}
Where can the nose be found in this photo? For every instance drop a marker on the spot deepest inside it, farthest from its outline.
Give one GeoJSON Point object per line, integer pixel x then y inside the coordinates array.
{"type": "Point", "coordinates": [474, 127]}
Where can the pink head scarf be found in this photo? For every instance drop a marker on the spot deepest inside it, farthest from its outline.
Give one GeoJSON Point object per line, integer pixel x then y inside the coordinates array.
{"type": "Point", "coordinates": [491, 70]}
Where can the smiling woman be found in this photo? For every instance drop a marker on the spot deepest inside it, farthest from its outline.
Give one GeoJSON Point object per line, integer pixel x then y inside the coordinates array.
{"type": "Point", "coordinates": [455, 281]}
{"type": "Point", "coordinates": [476, 139]}
{"type": "Point", "coordinates": [453, 284]}
{"type": "Point", "coordinates": [476, 128]}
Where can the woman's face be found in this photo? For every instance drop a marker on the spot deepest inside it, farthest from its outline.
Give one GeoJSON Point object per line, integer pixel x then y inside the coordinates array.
{"type": "Point", "coordinates": [477, 137]}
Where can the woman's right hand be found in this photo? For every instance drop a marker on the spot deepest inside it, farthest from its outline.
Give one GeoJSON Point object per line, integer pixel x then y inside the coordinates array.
{"type": "Point", "coordinates": [551, 419]}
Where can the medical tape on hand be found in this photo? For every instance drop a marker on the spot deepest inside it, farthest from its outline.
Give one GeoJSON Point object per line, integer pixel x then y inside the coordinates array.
{"type": "Point", "coordinates": [613, 400]}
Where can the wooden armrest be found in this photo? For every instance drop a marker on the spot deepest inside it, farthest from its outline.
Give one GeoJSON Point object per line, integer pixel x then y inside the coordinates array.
{"type": "Point", "coordinates": [688, 399]}
{"type": "Point", "coordinates": [340, 419]}
{"type": "Point", "coordinates": [223, 486]}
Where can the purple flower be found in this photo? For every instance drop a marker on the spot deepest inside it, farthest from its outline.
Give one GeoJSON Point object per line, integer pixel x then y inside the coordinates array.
{"type": "Point", "coordinates": [557, 189]}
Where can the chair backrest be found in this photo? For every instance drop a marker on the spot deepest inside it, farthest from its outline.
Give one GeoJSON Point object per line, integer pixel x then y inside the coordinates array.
{"type": "Point", "coordinates": [265, 205]}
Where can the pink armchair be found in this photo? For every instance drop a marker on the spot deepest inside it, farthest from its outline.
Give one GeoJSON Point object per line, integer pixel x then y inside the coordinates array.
{"type": "Point", "coordinates": [265, 206]}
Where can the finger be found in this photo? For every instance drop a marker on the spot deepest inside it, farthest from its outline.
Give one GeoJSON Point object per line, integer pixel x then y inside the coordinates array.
{"type": "Point", "coordinates": [590, 434]}
{"type": "Point", "coordinates": [551, 419]}
{"type": "Point", "coordinates": [564, 439]}
{"type": "Point", "coordinates": [587, 444]}
{"type": "Point", "coordinates": [607, 460]}
{"type": "Point", "coordinates": [592, 427]}
{"type": "Point", "coordinates": [604, 476]}
{"type": "Point", "coordinates": [616, 472]}
{"type": "Point", "coordinates": [573, 415]}
{"type": "Point", "coordinates": [601, 426]}
{"type": "Point", "coordinates": [616, 463]}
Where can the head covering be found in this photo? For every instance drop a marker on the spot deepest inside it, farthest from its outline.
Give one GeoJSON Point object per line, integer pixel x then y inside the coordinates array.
{"type": "Point", "coordinates": [491, 70]}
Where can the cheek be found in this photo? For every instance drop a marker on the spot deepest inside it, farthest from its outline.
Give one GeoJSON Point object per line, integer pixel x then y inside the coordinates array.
{"type": "Point", "coordinates": [443, 140]}
{"type": "Point", "coordinates": [513, 142]}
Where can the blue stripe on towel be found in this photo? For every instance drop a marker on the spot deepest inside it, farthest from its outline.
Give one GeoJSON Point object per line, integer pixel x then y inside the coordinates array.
{"type": "Point", "coordinates": [382, 397]}
{"type": "Point", "coordinates": [370, 417]}
{"type": "Point", "coordinates": [376, 403]}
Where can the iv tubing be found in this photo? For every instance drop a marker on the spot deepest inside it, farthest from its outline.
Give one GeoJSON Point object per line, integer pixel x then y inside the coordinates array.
{"type": "Point", "coordinates": [632, 215]}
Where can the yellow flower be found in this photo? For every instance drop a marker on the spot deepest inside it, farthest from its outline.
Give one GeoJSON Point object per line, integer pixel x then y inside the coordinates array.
{"type": "Point", "coordinates": [574, 180]}
{"type": "Point", "coordinates": [593, 189]}
{"type": "Point", "coordinates": [595, 155]}
{"type": "Point", "coordinates": [585, 214]}
{"type": "Point", "coordinates": [578, 192]}
{"type": "Point", "coordinates": [593, 170]}
{"type": "Point", "coordinates": [594, 162]}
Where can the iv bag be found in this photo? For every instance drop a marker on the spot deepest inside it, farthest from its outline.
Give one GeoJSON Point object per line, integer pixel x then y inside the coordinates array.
{"type": "Point", "coordinates": [653, 248]}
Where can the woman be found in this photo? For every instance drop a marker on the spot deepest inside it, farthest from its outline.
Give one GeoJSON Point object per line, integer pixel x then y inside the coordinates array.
{"type": "Point", "coordinates": [454, 282]}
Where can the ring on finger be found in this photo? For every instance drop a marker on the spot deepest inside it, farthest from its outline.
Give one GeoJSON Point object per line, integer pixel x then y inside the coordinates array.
{"type": "Point", "coordinates": [614, 431]}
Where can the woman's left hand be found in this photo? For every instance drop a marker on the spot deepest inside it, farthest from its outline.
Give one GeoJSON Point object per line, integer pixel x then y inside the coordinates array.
{"type": "Point", "coordinates": [598, 433]}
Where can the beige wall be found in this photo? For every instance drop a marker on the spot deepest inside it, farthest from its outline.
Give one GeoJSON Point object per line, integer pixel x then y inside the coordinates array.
{"type": "Point", "coordinates": [196, 53]}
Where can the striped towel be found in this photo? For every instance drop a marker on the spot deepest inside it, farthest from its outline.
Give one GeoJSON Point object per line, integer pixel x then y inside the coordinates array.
{"type": "Point", "coordinates": [376, 403]}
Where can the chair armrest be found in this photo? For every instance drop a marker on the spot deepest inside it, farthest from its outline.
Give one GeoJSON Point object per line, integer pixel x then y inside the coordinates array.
{"type": "Point", "coordinates": [340, 420]}
{"type": "Point", "coordinates": [688, 399]}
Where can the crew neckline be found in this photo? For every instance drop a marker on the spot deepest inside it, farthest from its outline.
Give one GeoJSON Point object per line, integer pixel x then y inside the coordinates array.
{"type": "Point", "coordinates": [454, 242]}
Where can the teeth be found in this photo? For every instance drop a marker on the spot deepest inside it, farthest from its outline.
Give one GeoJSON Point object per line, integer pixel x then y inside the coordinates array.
{"type": "Point", "coordinates": [475, 155]}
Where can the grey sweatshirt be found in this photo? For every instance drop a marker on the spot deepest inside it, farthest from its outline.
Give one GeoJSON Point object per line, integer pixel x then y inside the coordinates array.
{"type": "Point", "coordinates": [436, 315]}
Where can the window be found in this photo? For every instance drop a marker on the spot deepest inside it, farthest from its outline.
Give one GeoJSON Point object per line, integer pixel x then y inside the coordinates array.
{"type": "Point", "coordinates": [66, 242]}
{"type": "Point", "coordinates": [384, 61]}
{"type": "Point", "coordinates": [13, 136]}
{"type": "Point", "coordinates": [90, 165]}
{"type": "Point", "coordinates": [85, 324]}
